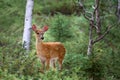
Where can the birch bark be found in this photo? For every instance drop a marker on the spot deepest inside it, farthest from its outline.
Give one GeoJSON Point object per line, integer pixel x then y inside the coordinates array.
{"type": "Point", "coordinates": [28, 24]}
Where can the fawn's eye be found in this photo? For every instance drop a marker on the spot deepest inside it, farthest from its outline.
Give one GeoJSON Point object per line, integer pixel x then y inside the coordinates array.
{"type": "Point", "coordinates": [37, 33]}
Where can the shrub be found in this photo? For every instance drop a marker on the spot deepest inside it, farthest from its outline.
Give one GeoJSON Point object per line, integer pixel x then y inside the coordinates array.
{"type": "Point", "coordinates": [66, 7]}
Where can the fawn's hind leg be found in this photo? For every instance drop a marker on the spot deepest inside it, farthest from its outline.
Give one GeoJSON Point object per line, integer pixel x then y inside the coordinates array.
{"type": "Point", "coordinates": [60, 64]}
{"type": "Point", "coordinates": [52, 63]}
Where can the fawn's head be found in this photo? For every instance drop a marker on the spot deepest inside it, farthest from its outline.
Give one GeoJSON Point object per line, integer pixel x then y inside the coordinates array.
{"type": "Point", "coordinates": [39, 32]}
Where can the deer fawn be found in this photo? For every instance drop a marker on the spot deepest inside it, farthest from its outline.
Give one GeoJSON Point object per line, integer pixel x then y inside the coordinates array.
{"type": "Point", "coordinates": [48, 52]}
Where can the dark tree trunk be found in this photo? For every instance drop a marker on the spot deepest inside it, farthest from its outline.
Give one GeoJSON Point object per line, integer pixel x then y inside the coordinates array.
{"type": "Point", "coordinates": [90, 44]}
{"type": "Point", "coordinates": [97, 16]}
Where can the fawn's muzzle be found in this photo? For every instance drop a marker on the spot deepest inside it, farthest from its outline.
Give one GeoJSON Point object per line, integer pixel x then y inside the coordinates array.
{"type": "Point", "coordinates": [42, 38]}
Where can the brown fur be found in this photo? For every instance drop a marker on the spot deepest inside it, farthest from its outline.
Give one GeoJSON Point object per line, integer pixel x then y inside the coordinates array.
{"type": "Point", "coordinates": [48, 52]}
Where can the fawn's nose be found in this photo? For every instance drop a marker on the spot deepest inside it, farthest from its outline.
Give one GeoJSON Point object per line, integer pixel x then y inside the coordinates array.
{"type": "Point", "coordinates": [42, 38]}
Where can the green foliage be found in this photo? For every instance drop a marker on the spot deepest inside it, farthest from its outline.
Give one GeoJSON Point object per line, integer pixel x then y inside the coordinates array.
{"type": "Point", "coordinates": [61, 28]}
{"type": "Point", "coordinates": [11, 12]}
{"type": "Point", "coordinates": [14, 60]}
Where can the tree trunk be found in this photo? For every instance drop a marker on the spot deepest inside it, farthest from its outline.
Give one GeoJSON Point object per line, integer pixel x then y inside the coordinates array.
{"type": "Point", "coordinates": [89, 50]}
{"type": "Point", "coordinates": [27, 24]}
{"type": "Point", "coordinates": [97, 17]}
{"type": "Point", "coordinates": [90, 45]}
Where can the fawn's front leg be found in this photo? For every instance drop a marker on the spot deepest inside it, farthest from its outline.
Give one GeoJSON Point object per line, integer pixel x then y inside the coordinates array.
{"type": "Point", "coordinates": [43, 65]}
{"type": "Point", "coordinates": [47, 64]}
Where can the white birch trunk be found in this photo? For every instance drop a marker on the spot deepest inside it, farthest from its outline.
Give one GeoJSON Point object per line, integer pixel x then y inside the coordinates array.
{"type": "Point", "coordinates": [28, 24]}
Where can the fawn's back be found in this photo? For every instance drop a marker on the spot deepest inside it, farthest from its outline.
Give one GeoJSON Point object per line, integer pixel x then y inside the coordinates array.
{"type": "Point", "coordinates": [51, 50]}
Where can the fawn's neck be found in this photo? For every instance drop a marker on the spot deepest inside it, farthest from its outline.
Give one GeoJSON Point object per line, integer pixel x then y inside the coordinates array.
{"type": "Point", "coordinates": [39, 43]}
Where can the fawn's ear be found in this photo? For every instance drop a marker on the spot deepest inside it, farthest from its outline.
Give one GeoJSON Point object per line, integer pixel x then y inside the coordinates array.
{"type": "Point", "coordinates": [45, 28]}
{"type": "Point", "coordinates": [34, 27]}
